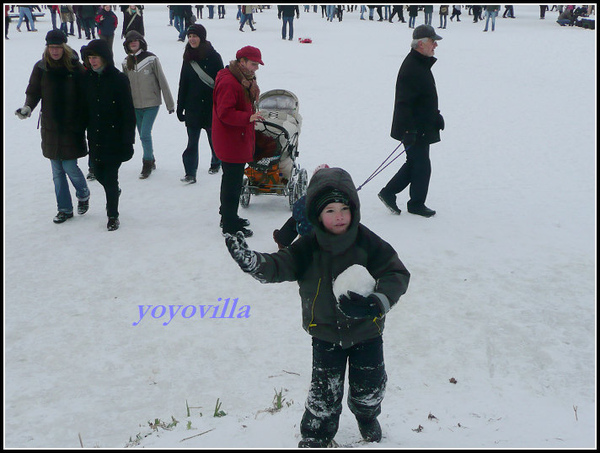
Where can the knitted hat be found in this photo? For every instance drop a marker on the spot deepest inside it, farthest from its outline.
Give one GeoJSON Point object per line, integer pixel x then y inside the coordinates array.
{"type": "Point", "coordinates": [56, 37]}
{"type": "Point", "coordinates": [198, 30]}
{"type": "Point", "coordinates": [251, 53]}
{"type": "Point", "coordinates": [330, 196]}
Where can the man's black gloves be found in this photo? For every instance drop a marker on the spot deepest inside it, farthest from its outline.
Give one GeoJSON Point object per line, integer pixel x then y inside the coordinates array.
{"type": "Point", "coordinates": [441, 124]}
{"type": "Point", "coordinates": [355, 306]}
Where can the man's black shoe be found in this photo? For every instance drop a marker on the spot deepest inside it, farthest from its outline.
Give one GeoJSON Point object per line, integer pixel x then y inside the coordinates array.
{"type": "Point", "coordinates": [247, 232]}
{"type": "Point", "coordinates": [241, 222]}
{"type": "Point", "coordinates": [421, 210]}
{"type": "Point", "coordinates": [389, 200]}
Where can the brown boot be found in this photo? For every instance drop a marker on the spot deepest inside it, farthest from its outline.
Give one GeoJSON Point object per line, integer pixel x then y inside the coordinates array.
{"type": "Point", "coordinates": [147, 167]}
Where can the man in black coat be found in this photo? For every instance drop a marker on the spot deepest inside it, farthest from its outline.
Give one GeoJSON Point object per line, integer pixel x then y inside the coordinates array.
{"type": "Point", "coordinates": [417, 123]}
{"type": "Point", "coordinates": [110, 122]}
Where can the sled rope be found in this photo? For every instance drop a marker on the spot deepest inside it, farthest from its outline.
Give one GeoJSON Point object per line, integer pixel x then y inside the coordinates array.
{"type": "Point", "coordinates": [383, 165]}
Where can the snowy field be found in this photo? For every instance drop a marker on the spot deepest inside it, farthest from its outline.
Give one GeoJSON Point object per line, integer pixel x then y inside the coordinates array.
{"type": "Point", "coordinates": [503, 288]}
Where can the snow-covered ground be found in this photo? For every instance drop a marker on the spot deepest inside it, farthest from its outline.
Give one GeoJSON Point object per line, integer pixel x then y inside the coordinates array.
{"type": "Point", "coordinates": [502, 294]}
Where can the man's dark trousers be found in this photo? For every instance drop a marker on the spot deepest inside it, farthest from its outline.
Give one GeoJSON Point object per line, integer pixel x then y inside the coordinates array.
{"type": "Point", "coordinates": [416, 171]}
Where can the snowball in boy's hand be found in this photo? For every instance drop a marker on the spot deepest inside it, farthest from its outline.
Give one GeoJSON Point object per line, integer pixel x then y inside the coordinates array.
{"type": "Point", "coordinates": [356, 278]}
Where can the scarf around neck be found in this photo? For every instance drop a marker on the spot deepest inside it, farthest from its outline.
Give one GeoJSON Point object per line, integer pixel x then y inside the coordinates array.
{"type": "Point", "coordinates": [247, 80]}
{"type": "Point", "coordinates": [201, 52]}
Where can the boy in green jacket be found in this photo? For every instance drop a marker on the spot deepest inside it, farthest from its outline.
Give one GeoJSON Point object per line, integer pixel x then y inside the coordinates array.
{"type": "Point", "coordinates": [346, 329]}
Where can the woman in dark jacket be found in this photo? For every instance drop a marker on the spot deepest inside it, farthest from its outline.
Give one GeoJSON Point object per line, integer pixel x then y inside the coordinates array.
{"type": "Point", "coordinates": [132, 20]}
{"type": "Point", "coordinates": [56, 80]}
{"type": "Point", "coordinates": [111, 124]}
{"type": "Point", "coordinates": [201, 62]}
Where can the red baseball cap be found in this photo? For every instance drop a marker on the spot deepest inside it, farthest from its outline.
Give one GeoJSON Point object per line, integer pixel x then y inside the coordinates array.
{"type": "Point", "coordinates": [251, 53]}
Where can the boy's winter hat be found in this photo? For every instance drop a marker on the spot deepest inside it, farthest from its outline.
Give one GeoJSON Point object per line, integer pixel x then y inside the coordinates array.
{"type": "Point", "coordinates": [251, 53]}
{"type": "Point", "coordinates": [56, 37]}
{"type": "Point", "coordinates": [330, 196]}
{"type": "Point", "coordinates": [426, 31]}
{"type": "Point", "coordinates": [198, 30]}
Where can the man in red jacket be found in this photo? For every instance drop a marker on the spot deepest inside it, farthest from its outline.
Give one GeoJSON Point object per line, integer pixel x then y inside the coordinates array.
{"type": "Point", "coordinates": [235, 98]}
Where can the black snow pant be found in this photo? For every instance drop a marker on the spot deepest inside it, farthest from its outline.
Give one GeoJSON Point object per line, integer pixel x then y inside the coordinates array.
{"type": "Point", "coordinates": [366, 379]}
{"type": "Point", "coordinates": [107, 174]}
{"type": "Point", "coordinates": [416, 171]}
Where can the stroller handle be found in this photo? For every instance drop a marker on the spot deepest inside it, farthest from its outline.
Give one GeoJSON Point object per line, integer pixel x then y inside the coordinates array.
{"type": "Point", "coordinates": [268, 124]}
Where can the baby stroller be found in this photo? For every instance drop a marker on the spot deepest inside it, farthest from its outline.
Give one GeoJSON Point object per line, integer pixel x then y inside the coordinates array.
{"type": "Point", "coordinates": [274, 170]}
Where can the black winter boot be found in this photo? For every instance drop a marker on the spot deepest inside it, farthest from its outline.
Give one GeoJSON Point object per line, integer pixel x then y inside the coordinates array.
{"type": "Point", "coordinates": [147, 166]}
{"type": "Point", "coordinates": [113, 223]}
{"type": "Point", "coordinates": [370, 430]}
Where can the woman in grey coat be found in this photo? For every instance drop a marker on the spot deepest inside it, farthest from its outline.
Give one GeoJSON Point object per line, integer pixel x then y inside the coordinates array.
{"type": "Point", "coordinates": [147, 81]}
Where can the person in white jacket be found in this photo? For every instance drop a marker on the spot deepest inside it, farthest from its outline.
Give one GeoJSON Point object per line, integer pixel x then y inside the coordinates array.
{"type": "Point", "coordinates": [147, 82]}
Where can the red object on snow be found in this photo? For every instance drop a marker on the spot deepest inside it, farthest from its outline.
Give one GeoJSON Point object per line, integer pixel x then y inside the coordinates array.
{"type": "Point", "coordinates": [305, 40]}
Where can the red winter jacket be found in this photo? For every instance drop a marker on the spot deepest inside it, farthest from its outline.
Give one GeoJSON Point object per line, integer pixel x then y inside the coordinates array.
{"type": "Point", "coordinates": [232, 131]}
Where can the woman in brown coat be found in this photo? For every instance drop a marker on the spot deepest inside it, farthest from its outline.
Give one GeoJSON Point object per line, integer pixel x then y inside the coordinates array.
{"type": "Point", "coordinates": [56, 80]}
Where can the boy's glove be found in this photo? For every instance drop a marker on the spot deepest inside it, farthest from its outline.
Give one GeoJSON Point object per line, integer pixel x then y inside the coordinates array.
{"type": "Point", "coordinates": [24, 112]}
{"type": "Point", "coordinates": [355, 306]}
{"type": "Point", "coordinates": [239, 251]}
{"type": "Point", "coordinates": [180, 115]}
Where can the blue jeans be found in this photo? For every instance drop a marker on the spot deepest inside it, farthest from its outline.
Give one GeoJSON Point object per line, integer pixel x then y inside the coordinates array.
{"type": "Point", "coordinates": [60, 170]}
{"type": "Point", "coordinates": [25, 12]}
{"type": "Point", "coordinates": [190, 155]}
{"type": "Point", "coordinates": [411, 21]}
{"type": "Point", "coordinates": [178, 23]}
{"type": "Point", "coordinates": [330, 12]}
{"type": "Point", "coordinates": [487, 19]}
{"type": "Point", "coordinates": [144, 122]}
{"type": "Point", "coordinates": [287, 20]}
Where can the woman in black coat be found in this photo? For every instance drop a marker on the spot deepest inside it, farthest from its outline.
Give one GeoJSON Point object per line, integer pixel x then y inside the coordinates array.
{"type": "Point", "coordinates": [56, 80]}
{"type": "Point", "coordinates": [195, 97]}
{"type": "Point", "coordinates": [132, 20]}
{"type": "Point", "coordinates": [111, 122]}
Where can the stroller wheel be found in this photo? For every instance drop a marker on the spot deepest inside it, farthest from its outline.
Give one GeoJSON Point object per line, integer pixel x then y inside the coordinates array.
{"type": "Point", "coordinates": [245, 195]}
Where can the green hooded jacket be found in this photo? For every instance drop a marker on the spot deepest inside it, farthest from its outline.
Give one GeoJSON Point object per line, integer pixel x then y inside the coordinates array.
{"type": "Point", "coordinates": [316, 260]}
